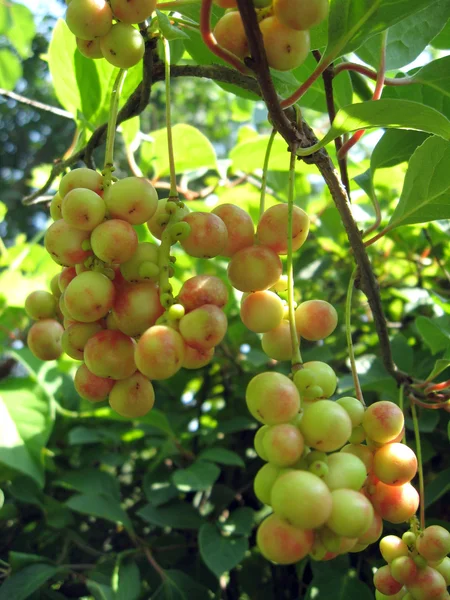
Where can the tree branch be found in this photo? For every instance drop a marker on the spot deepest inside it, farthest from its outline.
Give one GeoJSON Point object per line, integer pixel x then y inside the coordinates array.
{"type": "Point", "coordinates": [35, 104]}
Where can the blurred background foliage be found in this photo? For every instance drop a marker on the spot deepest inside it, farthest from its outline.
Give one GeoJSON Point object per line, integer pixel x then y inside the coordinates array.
{"type": "Point", "coordinates": [98, 507]}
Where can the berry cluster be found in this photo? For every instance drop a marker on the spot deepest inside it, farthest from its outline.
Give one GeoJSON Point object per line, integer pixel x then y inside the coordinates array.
{"type": "Point", "coordinates": [328, 496]}
{"type": "Point", "coordinates": [284, 26]}
{"type": "Point", "coordinates": [105, 29]}
{"type": "Point", "coordinates": [418, 567]}
{"type": "Point", "coordinates": [112, 305]}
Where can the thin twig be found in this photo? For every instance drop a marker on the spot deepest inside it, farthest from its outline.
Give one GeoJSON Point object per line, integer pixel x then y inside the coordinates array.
{"type": "Point", "coordinates": [35, 104]}
{"type": "Point", "coordinates": [349, 66]}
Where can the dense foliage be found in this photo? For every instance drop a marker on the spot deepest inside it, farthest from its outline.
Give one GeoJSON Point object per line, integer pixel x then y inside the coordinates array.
{"type": "Point", "coordinates": [99, 506]}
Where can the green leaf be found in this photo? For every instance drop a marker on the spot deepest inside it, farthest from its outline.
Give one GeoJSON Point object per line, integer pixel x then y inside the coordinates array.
{"type": "Point", "coordinates": [431, 87]}
{"type": "Point", "coordinates": [61, 61]}
{"type": "Point", "coordinates": [352, 22]}
{"type": "Point", "coordinates": [342, 587]}
{"type": "Point", "coordinates": [179, 586]}
{"type": "Point", "coordinates": [198, 477]}
{"type": "Point", "coordinates": [399, 114]}
{"type": "Point", "coordinates": [88, 84]}
{"type": "Point", "coordinates": [99, 591]}
{"type": "Point", "coordinates": [440, 365]}
{"type": "Point", "coordinates": [178, 515]}
{"type": "Point", "coordinates": [84, 435]}
{"type": "Point", "coordinates": [10, 69]}
{"type": "Point", "coordinates": [408, 38]}
{"type": "Point", "coordinates": [155, 418]}
{"type": "Point", "coordinates": [169, 31]}
{"type": "Point", "coordinates": [240, 522]}
{"type": "Point", "coordinates": [219, 553]}
{"type": "Point", "coordinates": [21, 30]}
{"type": "Point", "coordinates": [90, 481]}
{"type": "Point", "coordinates": [434, 332]}
{"type": "Point", "coordinates": [23, 584]}
{"type": "Point", "coordinates": [437, 488]}
{"type": "Point", "coordinates": [126, 579]}
{"type": "Point", "coordinates": [426, 190]}
{"type": "Point", "coordinates": [396, 146]}
{"type": "Point", "coordinates": [192, 151]}
{"type": "Point", "coordinates": [20, 560]}
{"type": "Point", "coordinates": [442, 41]}
{"type": "Point", "coordinates": [26, 422]}
{"type": "Point", "coordinates": [223, 456]}
{"type": "Point", "coordinates": [102, 506]}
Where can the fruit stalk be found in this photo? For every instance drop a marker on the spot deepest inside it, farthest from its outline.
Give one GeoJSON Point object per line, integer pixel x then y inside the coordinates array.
{"type": "Point", "coordinates": [419, 464]}
{"type": "Point", "coordinates": [265, 170]}
{"type": "Point", "coordinates": [173, 194]}
{"type": "Point", "coordinates": [112, 125]}
{"type": "Point", "coordinates": [348, 332]}
{"type": "Point", "coordinates": [296, 355]}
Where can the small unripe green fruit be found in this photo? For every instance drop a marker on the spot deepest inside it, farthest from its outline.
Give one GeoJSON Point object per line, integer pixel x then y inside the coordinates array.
{"type": "Point", "coordinates": [123, 46]}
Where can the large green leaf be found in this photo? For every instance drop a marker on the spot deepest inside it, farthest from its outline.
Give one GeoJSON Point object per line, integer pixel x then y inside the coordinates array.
{"type": "Point", "coordinates": [399, 114]}
{"type": "Point", "coordinates": [88, 84]}
{"type": "Point", "coordinates": [178, 515]}
{"type": "Point", "coordinates": [426, 190]}
{"type": "Point", "coordinates": [26, 421]}
{"type": "Point", "coordinates": [179, 586]}
{"type": "Point", "coordinates": [352, 22]}
{"type": "Point", "coordinates": [90, 481]}
{"type": "Point", "coordinates": [431, 86]}
{"type": "Point", "coordinates": [199, 476]}
{"type": "Point", "coordinates": [437, 488]}
{"type": "Point", "coordinates": [434, 332]}
{"type": "Point", "coordinates": [23, 584]}
{"type": "Point", "coordinates": [192, 151]}
{"type": "Point", "coordinates": [396, 146]}
{"type": "Point", "coordinates": [408, 38]}
{"type": "Point", "coordinates": [344, 587]}
{"type": "Point", "coordinates": [155, 418]}
{"type": "Point", "coordinates": [61, 61]}
{"type": "Point", "coordinates": [102, 506]}
{"type": "Point", "coordinates": [126, 579]}
{"type": "Point", "coordinates": [10, 69]}
{"type": "Point", "coordinates": [222, 456]}
{"type": "Point", "coordinates": [220, 553]}
{"type": "Point", "coordinates": [21, 29]}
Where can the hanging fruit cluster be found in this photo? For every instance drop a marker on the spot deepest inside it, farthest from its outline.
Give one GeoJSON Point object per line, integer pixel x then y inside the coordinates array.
{"type": "Point", "coordinates": [105, 29]}
{"type": "Point", "coordinates": [284, 26]}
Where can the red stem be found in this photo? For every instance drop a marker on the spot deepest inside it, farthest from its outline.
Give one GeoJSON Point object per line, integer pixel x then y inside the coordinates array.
{"type": "Point", "coordinates": [305, 85]}
{"type": "Point", "coordinates": [349, 66]}
{"type": "Point", "coordinates": [429, 405]}
{"type": "Point", "coordinates": [380, 79]}
{"type": "Point", "coordinates": [211, 42]}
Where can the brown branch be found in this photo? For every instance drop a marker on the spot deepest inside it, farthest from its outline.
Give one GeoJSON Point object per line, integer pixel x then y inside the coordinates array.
{"type": "Point", "coordinates": [327, 78]}
{"type": "Point", "coordinates": [35, 104]}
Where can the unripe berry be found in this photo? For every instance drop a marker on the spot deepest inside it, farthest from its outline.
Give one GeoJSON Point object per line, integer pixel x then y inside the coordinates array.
{"type": "Point", "coordinates": [133, 199]}
{"type": "Point", "coordinates": [254, 269]}
{"type": "Point", "coordinates": [44, 339]}
{"type": "Point", "coordinates": [196, 359]}
{"type": "Point", "coordinates": [301, 14]}
{"type": "Point", "coordinates": [137, 307]}
{"type": "Point", "coordinates": [160, 352]}
{"type": "Point", "coordinates": [326, 426]}
{"type": "Point", "coordinates": [283, 445]}
{"type": "Point", "coordinates": [81, 178]}
{"type": "Point", "coordinates": [123, 46]}
{"type": "Point", "coordinates": [88, 19]}
{"type": "Point", "coordinates": [204, 327]}
{"type": "Point", "coordinates": [160, 219]}
{"type": "Point", "coordinates": [395, 464]}
{"type": "Point", "coordinates": [132, 397]}
{"type": "Point", "coordinates": [385, 583]}
{"type": "Point", "coordinates": [90, 48]}
{"type": "Point", "coordinates": [383, 421]}
{"type": "Point", "coordinates": [110, 354]}
{"type": "Point", "coordinates": [89, 297]}
{"type": "Point", "coordinates": [40, 305]}
{"type": "Point", "coordinates": [229, 33]}
{"type": "Point", "coordinates": [302, 498]}
{"type": "Point", "coordinates": [133, 11]}
{"type": "Point", "coordinates": [208, 236]}
{"type": "Point", "coordinates": [362, 452]}
{"type": "Point", "coordinates": [83, 209]}
{"type": "Point", "coordinates": [239, 227]}
{"type": "Point", "coordinates": [316, 380]}
{"type": "Point", "coordinates": [55, 207]}
{"type": "Point", "coordinates": [262, 311]}
{"type": "Point", "coordinates": [203, 289]}
{"type": "Point", "coordinates": [286, 48]}
{"type": "Point", "coordinates": [315, 320]}
{"type": "Point", "coordinates": [391, 547]}
{"type": "Point", "coordinates": [75, 338]}
{"type": "Point", "coordinates": [395, 504]}
{"type": "Point", "coordinates": [114, 241]}
{"type": "Point", "coordinates": [282, 543]}
{"type": "Point", "coordinates": [277, 343]}
{"type": "Point", "coordinates": [272, 228]}
{"type": "Point", "coordinates": [433, 543]}
{"type": "Point", "coordinates": [272, 398]}
{"type": "Point", "coordinates": [64, 244]}
{"type": "Point", "coordinates": [351, 513]}
{"type": "Point", "coordinates": [90, 387]}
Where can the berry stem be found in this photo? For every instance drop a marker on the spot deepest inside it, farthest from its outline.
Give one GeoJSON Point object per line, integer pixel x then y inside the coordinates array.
{"type": "Point", "coordinates": [297, 360]}
{"type": "Point", "coordinates": [349, 66]}
{"type": "Point", "coordinates": [211, 42]}
{"type": "Point", "coordinates": [381, 76]}
{"type": "Point", "coordinates": [348, 332]}
{"type": "Point", "coordinates": [293, 98]}
{"type": "Point", "coordinates": [265, 171]}
{"type": "Point", "coordinates": [419, 464]}
{"type": "Point", "coordinates": [173, 193]}
{"type": "Point", "coordinates": [401, 403]}
{"type": "Point", "coordinates": [112, 126]}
